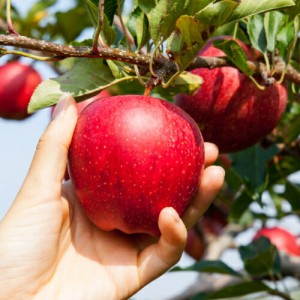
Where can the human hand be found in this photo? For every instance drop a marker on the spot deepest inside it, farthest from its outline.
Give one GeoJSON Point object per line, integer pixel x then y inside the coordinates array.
{"type": "Point", "coordinates": [50, 249]}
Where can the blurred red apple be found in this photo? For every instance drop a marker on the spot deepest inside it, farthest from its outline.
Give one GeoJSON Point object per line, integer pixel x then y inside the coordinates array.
{"type": "Point", "coordinates": [213, 221]}
{"type": "Point", "coordinates": [130, 157]}
{"type": "Point", "coordinates": [18, 82]}
{"type": "Point", "coordinates": [209, 227]}
{"type": "Point", "coordinates": [195, 245]}
{"type": "Point", "coordinates": [229, 109]}
{"type": "Point", "coordinates": [281, 238]}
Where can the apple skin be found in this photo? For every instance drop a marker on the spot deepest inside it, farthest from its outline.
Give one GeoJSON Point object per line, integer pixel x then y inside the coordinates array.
{"type": "Point", "coordinates": [229, 109]}
{"type": "Point", "coordinates": [18, 82]}
{"type": "Point", "coordinates": [281, 238]}
{"type": "Point", "coordinates": [130, 157]}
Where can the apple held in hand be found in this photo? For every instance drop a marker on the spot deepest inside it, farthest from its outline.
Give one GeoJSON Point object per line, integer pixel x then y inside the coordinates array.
{"type": "Point", "coordinates": [281, 238]}
{"type": "Point", "coordinates": [130, 157]}
{"type": "Point", "coordinates": [229, 109]}
{"type": "Point", "coordinates": [18, 82]}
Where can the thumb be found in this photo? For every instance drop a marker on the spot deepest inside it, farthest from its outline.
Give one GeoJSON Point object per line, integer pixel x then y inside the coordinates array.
{"type": "Point", "coordinates": [50, 159]}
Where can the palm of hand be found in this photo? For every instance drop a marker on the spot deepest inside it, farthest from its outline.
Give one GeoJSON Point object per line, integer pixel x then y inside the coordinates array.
{"type": "Point", "coordinates": [69, 258]}
{"type": "Point", "coordinates": [50, 250]}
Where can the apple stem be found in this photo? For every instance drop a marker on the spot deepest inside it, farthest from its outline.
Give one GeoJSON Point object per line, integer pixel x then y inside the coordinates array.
{"type": "Point", "coordinates": [259, 86]}
{"type": "Point", "coordinates": [140, 79]}
{"type": "Point", "coordinates": [10, 25]}
{"type": "Point", "coordinates": [267, 61]}
{"type": "Point", "coordinates": [151, 84]}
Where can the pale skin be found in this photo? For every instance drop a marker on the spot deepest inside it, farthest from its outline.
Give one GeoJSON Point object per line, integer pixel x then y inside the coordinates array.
{"type": "Point", "coordinates": [50, 250]}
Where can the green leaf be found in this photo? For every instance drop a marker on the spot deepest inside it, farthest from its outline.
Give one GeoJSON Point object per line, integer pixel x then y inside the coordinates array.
{"type": "Point", "coordinates": [235, 53]}
{"type": "Point", "coordinates": [240, 289]}
{"type": "Point", "coordinates": [286, 39]}
{"type": "Point", "coordinates": [107, 32]}
{"type": "Point", "coordinates": [195, 6]}
{"type": "Point", "coordinates": [117, 68]}
{"type": "Point", "coordinates": [186, 41]}
{"type": "Point", "coordinates": [248, 8]}
{"type": "Point", "coordinates": [216, 13]}
{"type": "Point", "coordinates": [292, 195]}
{"type": "Point", "coordinates": [294, 11]}
{"type": "Point", "coordinates": [272, 23]}
{"type": "Point", "coordinates": [64, 19]}
{"type": "Point", "coordinates": [187, 83]}
{"type": "Point", "coordinates": [86, 79]}
{"type": "Point", "coordinates": [260, 258]}
{"type": "Point", "coordinates": [92, 8]}
{"type": "Point", "coordinates": [110, 9]}
{"type": "Point", "coordinates": [139, 27]}
{"type": "Point", "coordinates": [162, 18]}
{"type": "Point", "coordinates": [234, 180]}
{"type": "Point", "coordinates": [257, 34]}
{"type": "Point", "coordinates": [240, 205]}
{"type": "Point", "coordinates": [291, 128]}
{"type": "Point", "coordinates": [250, 164]}
{"type": "Point", "coordinates": [209, 266]}
{"type": "Point", "coordinates": [281, 168]}
{"type": "Point", "coordinates": [200, 296]}
{"type": "Point", "coordinates": [147, 5]}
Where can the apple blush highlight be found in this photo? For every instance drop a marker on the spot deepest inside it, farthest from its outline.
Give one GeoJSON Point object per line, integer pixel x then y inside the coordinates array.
{"type": "Point", "coordinates": [130, 157]}
{"type": "Point", "coordinates": [229, 109]}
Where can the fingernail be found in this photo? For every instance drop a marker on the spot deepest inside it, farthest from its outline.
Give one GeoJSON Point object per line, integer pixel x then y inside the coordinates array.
{"type": "Point", "coordinates": [221, 171]}
{"type": "Point", "coordinates": [60, 107]}
{"type": "Point", "coordinates": [175, 215]}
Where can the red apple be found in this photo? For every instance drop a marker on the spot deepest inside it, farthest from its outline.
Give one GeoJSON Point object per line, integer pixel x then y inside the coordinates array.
{"type": "Point", "coordinates": [229, 109]}
{"type": "Point", "coordinates": [281, 238]}
{"type": "Point", "coordinates": [130, 157]}
{"type": "Point", "coordinates": [195, 245]}
{"type": "Point", "coordinates": [18, 82]}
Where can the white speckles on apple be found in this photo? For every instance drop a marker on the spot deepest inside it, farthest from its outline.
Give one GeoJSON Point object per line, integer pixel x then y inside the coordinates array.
{"type": "Point", "coordinates": [148, 156]}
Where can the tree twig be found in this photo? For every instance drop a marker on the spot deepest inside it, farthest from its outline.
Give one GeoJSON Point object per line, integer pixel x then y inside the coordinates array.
{"type": "Point", "coordinates": [63, 51]}
{"type": "Point", "coordinates": [99, 26]}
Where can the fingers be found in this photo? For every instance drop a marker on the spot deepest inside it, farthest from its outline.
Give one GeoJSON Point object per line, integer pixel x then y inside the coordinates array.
{"type": "Point", "coordinates": [211, 182]}
{"type": "Point", "coordinates": [211, 153]}
{"type": "Point", "coordinates": [159, 257]}
{"type": "Point", "coordinates": [49, 163]}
